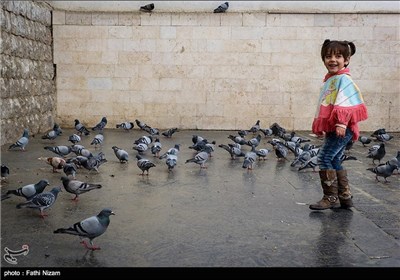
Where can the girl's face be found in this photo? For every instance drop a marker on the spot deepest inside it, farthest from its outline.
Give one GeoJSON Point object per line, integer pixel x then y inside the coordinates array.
{"type": "Point", "coordinates": [334, 62]}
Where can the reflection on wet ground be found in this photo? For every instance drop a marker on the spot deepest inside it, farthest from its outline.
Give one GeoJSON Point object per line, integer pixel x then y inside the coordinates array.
{"type": "Point", "coordinates": [221, 216]}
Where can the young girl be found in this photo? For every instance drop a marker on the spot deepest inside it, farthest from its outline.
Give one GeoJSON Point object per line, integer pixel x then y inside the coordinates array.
{"type": "Point", "coordinates": [340, 108]}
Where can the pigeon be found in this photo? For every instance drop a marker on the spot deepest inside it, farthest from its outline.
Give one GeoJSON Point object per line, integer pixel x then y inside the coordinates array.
{"type": "Point", "coordinates": [141, 148]}
{"type": "Point", "coordinates": [90, 228]}
{"type": "Point", "coordinates": [168, 133]}
{"type": "Point", "coordinates": [144, 139]}
{"type": "Point", "coordinates": [171, 161]}
{"type": "Point", "coordinates": [249, 159]}
{"type": "Point", "coordinates": [70, 169]}
{"type": "Point", "coordinates": [197, 138]}
{"type": "Point", "coordinates": [94, 162]}
{"type": "Point", "coordinates": [243, 133]}
{"type": "Point", "coordinates": [156, 147]}
{"type": "Point", "coordinates": [254, 141]}
{"type": "Point", "coordinates": [5, 171]}
{"type": "Point", "coordinates": [152, 130]}
{"type": "Point", "coordinates": [98, 140]}
{"type": "Point", "coordinates": [21, 142]}
{"type": "Point", "coordinates": [147, 8]}
{"type": "Point", "coordinates": [78, 187]}
{"type": "Point", "coordinates": [378, 132]}
{"type": "Point", "coordinates": [59, 150]}
{"type": "Point", "coordinates": [266, 131]}
{"type": "Point", "coordinates": [234, 150]}
{"type": "Point", "coordinates": [384, 137]}
{"type": "Point", "coordinates": [238, 139]}
{"type": "Point", "coordinates": [172, 151]}
{"type": "Point", "coordinates": [55, 162]}
{"type": "Point", "coordinates": [256, 127]}
{"type": "Point", "coordinates": [384, 170]}
{"type": "Point", "coordinates": [262, 153]}
{"type": "Point", "coordinates": [74, 138]}
{"type": "Point", "coordinates": [281, 151]}
{"type": "Point", "coordinates": [200, 158]}
{"type": "Point", "coordinates": [80, 150]}
{"type": "Point", "coordinates": [277, 130]}
{"type": "Point", "coordinates": [125, 125]}
{"type": "Point", "coordinates": [144, 164]}
{"type": "Point", "coordinates": [121, 154]}
{"type": "Point", "coordinates": [41, 201]}
{"type": "Point", "coordinates": [364, 140]}
{"type": "Point", "coordinates": [222, 8]}
{"type": "Point", "coordinates": [54, 133]}
{"type": "Point", "coordinates": [377, 152]}
{"type": "Point", "coordinates": [28, 191]}
{"type": "Point", "coordinates": [140, 124]}
{"type": "Point", "coordinates": [101, 125]}
{"type": "Point", "coordinates": [345, 157]}
{"type": "Point", "coordinates": [311, 163]}
{"type": "Point", "coordinates": [81, 128]}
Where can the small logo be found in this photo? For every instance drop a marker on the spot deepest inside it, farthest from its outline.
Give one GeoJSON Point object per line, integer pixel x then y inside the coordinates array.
{"type": "Point", "coordinates": [9, 255]}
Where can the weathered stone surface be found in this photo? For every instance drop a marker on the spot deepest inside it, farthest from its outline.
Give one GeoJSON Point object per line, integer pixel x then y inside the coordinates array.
{"type": "Point", "coordinates": [27, 72]}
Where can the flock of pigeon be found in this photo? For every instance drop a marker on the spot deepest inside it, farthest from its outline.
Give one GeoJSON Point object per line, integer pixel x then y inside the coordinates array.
{"type": "Point", "coordinates": [244, 146]}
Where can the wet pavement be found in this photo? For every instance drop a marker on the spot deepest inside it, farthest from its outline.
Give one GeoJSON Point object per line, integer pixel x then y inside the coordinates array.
{"type": "Point", "coordinates": [222, 216]}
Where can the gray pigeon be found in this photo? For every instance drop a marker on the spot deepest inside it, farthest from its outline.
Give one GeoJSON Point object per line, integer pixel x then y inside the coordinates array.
{"type": "Point", "coordinates": [384, 137]}
{"type": "Point", "coordinates": [121, 154]}
{"type": "Point", "coordinates": [77, 187]}
{"type": "Point", "coordinates": [256, 127]}
{"type": "Point", "coordinates": [147, 8]}
{"type": "Point", "coordinates": [21, 142]}
{"type": "Point", "coordinates": [144, 164]}
{"type": "Point", "coordinates": [250, 159]}
{"type": "Point", "coordinates": [171, 161]}
{"type": "Point", "coordinates": [125, 125]}
{"type": "Point", "coordinates": [98, 140]}
{"type": "Point", "coordinates": [94, 162]}
{"type": "Point", "coordinates": [90, 228]}
{"type": "Point", "coordinates": [168, 133]}
{"type": "Point", "coordinates": [377, 152]}
{"type": "Point", "coordinates": [28, 191]}
{"type": "Point", "coordinates": [311, 163]}
{"type": "Point", "coordinates": [54, 133]}
{"type": "Point", "coordinates": [59, 150]}
{"type": "Point", "coordinates": [81, 128]}
{"type": "Point", "coordinates": [41, 201]}
{"type": "Point", "coordinates": [101, 125]}
{"type": "Point", "coordinates": [233, 149]}
{"type": "Point", "coordinates": [200, 159]}
{"type": "Point", "coordinates": [156, 147]}
{"type": "Point", "coordinates": [70, 169]}
{"type": "Point", "coordinates": [364, 140]}
{"type": "Point", "coordinates": [74, 138]}
{"type": "Point", "coordinates": [222, 8]}
{"type": "Point", "coordinates": [172, 151]}
{"type": "Point", "coordinates": [384, 170]}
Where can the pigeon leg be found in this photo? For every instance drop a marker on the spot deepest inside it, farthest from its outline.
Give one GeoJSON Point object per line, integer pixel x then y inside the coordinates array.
{"type": "Point", "coordinates": [42, 214]}
{"type": "Point", "coordinates": [93, 247]}
{"type": "Point", "coordinates": [76, 198]}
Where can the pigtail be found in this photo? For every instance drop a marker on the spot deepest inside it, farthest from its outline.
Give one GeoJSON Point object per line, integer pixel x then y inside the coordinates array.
{"type": "Point", "coordinates": [352, 48]}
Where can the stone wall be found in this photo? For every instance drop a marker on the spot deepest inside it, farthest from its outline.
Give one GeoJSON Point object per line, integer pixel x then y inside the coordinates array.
{"type": "Point", "coordinates": [27, 81]}
{"type": "Point", "coordinates": [217, 71]}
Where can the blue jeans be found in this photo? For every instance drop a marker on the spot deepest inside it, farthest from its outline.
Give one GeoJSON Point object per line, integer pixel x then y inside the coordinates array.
{"type": "Point", "coordinates": [332, 150]}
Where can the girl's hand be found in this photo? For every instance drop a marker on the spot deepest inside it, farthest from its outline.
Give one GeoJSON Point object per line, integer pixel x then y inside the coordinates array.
{"type": "Point", "coordinates": [340, 131]}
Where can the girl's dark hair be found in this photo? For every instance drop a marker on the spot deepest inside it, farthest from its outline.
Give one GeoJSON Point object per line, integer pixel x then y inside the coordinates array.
{"type": "Point", "coordinates": [345, 48]}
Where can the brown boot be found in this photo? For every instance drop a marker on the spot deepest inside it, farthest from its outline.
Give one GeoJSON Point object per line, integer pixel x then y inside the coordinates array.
{"type": "Point", "coordinates": [344, 193]}
{"type": "Point", "coordinates": [330, 189]}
